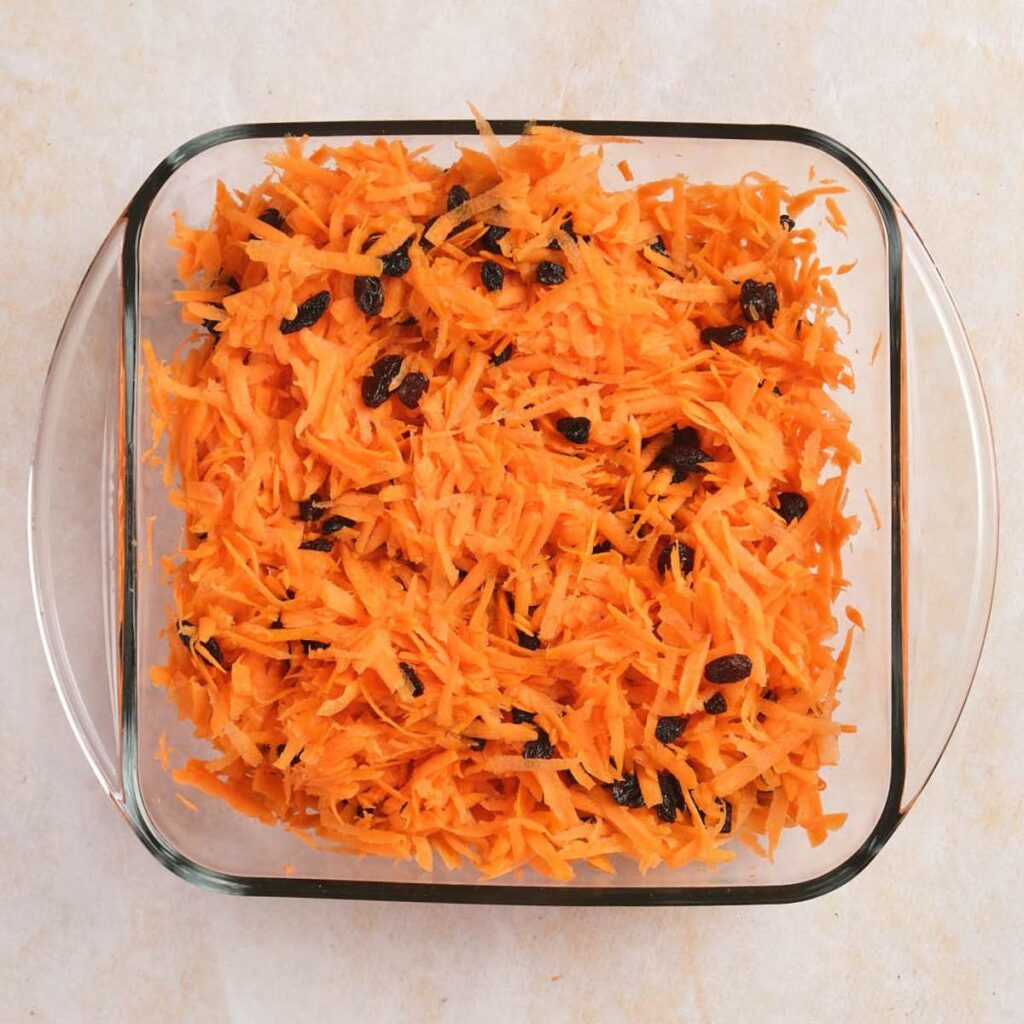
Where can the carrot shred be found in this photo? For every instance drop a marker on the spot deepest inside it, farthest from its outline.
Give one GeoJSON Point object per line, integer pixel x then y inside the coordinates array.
{"type": "Point", "coordinates": [451, 630]}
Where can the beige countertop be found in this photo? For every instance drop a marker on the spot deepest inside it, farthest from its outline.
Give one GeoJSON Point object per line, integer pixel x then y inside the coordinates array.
{"type": "Point", "coordinates": [92, 96]}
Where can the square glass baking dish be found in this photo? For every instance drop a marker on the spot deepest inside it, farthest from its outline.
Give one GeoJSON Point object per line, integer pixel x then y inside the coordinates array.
{"type": "Point", "coordinates": [922, 575]}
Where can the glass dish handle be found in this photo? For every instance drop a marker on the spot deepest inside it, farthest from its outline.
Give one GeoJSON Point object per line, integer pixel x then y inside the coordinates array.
{"type": "Point", "coordinates": [73, 513]}
{"type": "Point", "coordinates": [950, 514]}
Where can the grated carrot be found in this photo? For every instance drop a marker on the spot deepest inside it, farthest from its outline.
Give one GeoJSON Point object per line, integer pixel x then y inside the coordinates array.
{"type": "Point", "coordinates": [474, 662]}
{"type": "Point", "coordinates": [874, 509]}
{"type": "Point", "coordinates": [625, 170]}
{"type": "Point", "coordinates": [184, 800]}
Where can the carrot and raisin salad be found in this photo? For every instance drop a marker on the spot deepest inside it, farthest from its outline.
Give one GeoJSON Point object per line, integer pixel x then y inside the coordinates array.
{"type": "Point", "coordinates": [513, 507]}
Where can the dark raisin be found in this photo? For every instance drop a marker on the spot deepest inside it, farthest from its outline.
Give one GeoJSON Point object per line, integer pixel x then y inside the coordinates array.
{"type": "Point", "coordinates": [308, 313]}
{"type": "Point", "coordinates": [289, 593]}
{"type": "Point", "coordinates": [457, 195]}
{"type": "Point", "coordinates": [683, 454]}
{"type": "Point", "coordinates": [412, 678]}
{"type": "Point", "coordinates": [273, 218]}
{"type": "Point", "coordinates": [499, 358]}
{"type": "Point", "coordinates": [277, 623]}
{"type": "Point", "coordinates": [397, 262]}
{"type": "Point", "coordinates": [787, 222]}
{"type": "Point", "coordinates": [528, 641]}
{"type": "Point", "coordinates": [314, 645]}
{"type": "Point", "coordinates": [758, 301]}
{"type": "Point", "coordinates": [310, 509]}
{"type": "Point", "coordinates": [567, 227]}
{"type": "Point", "coordinates": [658, 246]}
{"type": "Point", "coordinates": [686, 554]}
{"type": "Point", "coordinates": [213, 649]}
{"type": "Point", "coordinates": [202, 536]}
{"type": "Point", "coordinates": [791, 505]}
{"type": "Point", "coordinates": [730, 334]}
{"type": "Point", "coordinates": [369, 295]}
{"type": "Point", "coordinates": [540, 748]}
{"type": "Point", "coordinates": [412, 389]}
{"type": "Point", "coordinates": [727, 824]}
{"type": "Point", "coordinates": [602, 547]}
{"type": "Point", "coordinates": [232, 283]}
{"type": "Point", "coordinates": [492, 275]}
{"type": "Point", "coordinates": [550, 273]}
{"type": "Point", "coordinates": [669, 728]}
{"type": "Point", "coordinates": [715, 705]}
{"type": "Point", "coordinates": [365, 812]}
{"type": "Point", "coordinates": [730, 668]}
{"type": "Point", "coordinates": [377, 383]}
{"type": "Point", "coordinates": [574, 428]}
{"type": "Point", "coordinates": [769, 695]}
{"type": "Point", "coordinates": [626, 792]}
{"type": "Point", "coordinates": [671, 796]}
{"type": "Point", "coordinates": [316, 544]}
{"type": "Point", "coordinates": [519, 716]}
{"type": "Point", "coordinates": [491, 237]}
{"type": "Point", "coordinates": [211, 327]}
{"type": "Point", "coordinates": [425, 244]}
{"type": "Point", "coordinates": [477, 743]}
{"type": "Point", "coordinates": [409, 321]}
{"type": "Point", "coordinates": [184, 637]}
{"type": "Point", "coordinates": [332, 524]}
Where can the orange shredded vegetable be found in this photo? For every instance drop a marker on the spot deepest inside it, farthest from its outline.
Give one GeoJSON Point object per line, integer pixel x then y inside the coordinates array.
{"type": "Point", "coordinates": [551, 611]}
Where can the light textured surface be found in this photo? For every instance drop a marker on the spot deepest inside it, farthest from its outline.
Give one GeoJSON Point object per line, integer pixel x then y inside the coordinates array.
{"type": "Point", "coordinates": [93, 95]}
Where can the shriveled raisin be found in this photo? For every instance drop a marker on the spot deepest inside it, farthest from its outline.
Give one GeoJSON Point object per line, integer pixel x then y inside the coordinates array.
{"type": "Point", "coordinates": [332, 524]}
{"type": "Point", "coordinates": [568, 228]}
{"type": "Point", "coordinates": [658, 246]}
{"type": "Point", "coordinates": [574, 428]}
{"type": "Point", "coordinates": [727, 823]}
{"type": "Point", "coordinates": [519, 716]}
{"type": "Point", "coordinates": [273, 218]}
{"type": "Point", "coordinates": [527, 641]}
{"type": "Point", "coordinates": [369, 295]}
{"type": "Point", "coordinates": [686, 554]}
{"type": "Point", "coordinates": [626, 791]}
{"type": "Point", "coordinates": [412, 389]}
{"type": "Point", "coordinates": [539, 748]}
{"type": "Point", "coordinates": [377, 383]}
{"type": "Point", "coordinates": [671, 796]}
{"type": "Point", "coordinates": [311, 509]}
{"type": "Point", "coordinates": [550, 273]}
{"type": "Point", "coordinates": [184, 637]}
{"type": "Point", "coordinates": [669, 728]}
{"type": "Point", "coordinates": [316, 544]}
{"type": "Point", "coordinates": [492, 276]}
{"type": "Point", "coordinates": [715, 705]}
{"type": "Point", "coordinates": [683, 454]}
{"type": "Point", "coordinates": [476, 743]}
{"type": "Point", "coordinates": [499, 358]}
{"type": "Point", "coordinates": [425, 244]}
{"type": "Point", "coordinates": [314, 645]}
{"type": "Point", "coordinates": [730, 668]}
{"type": "Point", "coordinates": [213, 649]}
{"type": "Point", "coordinates": [787, 222]}
{"type": "Point", "coordinates": [792, 505]}
{"type": "Point", "coordinates": [457, 195]}
{"type": "Point", "coordinates": [276, 624]}
{"type": "Point", "coordinates": [397, 262]}
{"type": "Point", "coordinates": [307, 313]}
{"type": "Point", "coordinates": [412, 678]}
{"type": "Point", "coordinates": [602, 547]}
{"type": "Point", "coordinates": [491, 237]}
{"type": "Point", "coordinates": [730, 334]}
{"type": "Point", "coordinates": [759, 301]}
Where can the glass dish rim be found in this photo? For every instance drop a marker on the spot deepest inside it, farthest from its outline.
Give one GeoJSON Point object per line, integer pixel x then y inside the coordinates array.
{"type": "Point", "coordinates": [482, 892]}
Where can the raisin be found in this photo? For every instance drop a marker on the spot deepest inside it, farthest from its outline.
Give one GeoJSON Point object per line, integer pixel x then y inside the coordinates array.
{"type": "Point", "coordinates": [211, 327]}
{"type": "Point", "coordinates": [377, 383]}
{"type": "Point", "coordinates": [683, 454]}
{"type": "Point", "coordinates": [365, 812]}
{"type": "Point", "coordinates": [316, 544]}
{"type": "Point", "coordinates": [791, 505]}
{"type": "Point", "coordinates": [758, 301]}
{"type": "Point", "coordinates": [686, 554]}
{"type": "Point", "coordinates": [491, 237]}
{"type": "Point", "coordinates": [202, 536]}
{"type": "Point", "coordinates": [425, 244]}
{"type": "Point", "coordinates": [369, 295]}
{"type": "Point", "coordinates": [492, 276]}
{"type": "Point", "coordinates": [412, 678]}
{"type": "Point", "coordinates": [602, 547]}
{"type": "Point", "coordinates": [183, 636]}
{"type": "Point", "coordinates": [289, 593]}
{"type": "Point", "coordinates": [273, 218]}
{"type": "Point", "coordinates": [715, 705]}
{"type": "Point", "coordinates": [397, 262]}
{"type": "Point", "coordinates": [332, 524]}
{"type": "Point", "coordinates": [528, 641]}
{"type": "Point", "coordinates": [519, 716]}
{"type": "Point", "coordinates": [574, 428]}
{"type": "Point", "coordinates": [658, 246]}
{"type": "Point", "coordinates": [308, 313]}
{"type": "Point", "coordinates": [310, 509]}
{"type": "Point", "coordinates": [232, 283]}
{"type": "Point", "coordinates": [787, 222]}
{"type": "Point", "coordinates": [276, 624]}
{"type": "Point", "coordinates": [727, 824]}
{"type": "Point", "coordinates": [730, 334]}
{"type": "Point", "coordinates": [502, 357]}
{"type": "Point", "coordinates": [457, 195]}
{"type": "Point", "coordinates": [669, 728]}
{"type": "Point", "coordinates": [213, 649]}
{"type": "Point", "coordinates": [730, 668]}
{"type": "Point", "coordinates": [626, 792]}
{"type": "Point", "coordinates": [671, 796]}
{"type": "Point", "coordinates": [477, 743]}
{"type": "Point", "coordinates": [314, 645]}
{"type": "Point", "coordinates": [550, 273]}
{"type": "Point", "coordinates": [409, 321]}
{"type": "Point", "coordinates": [539, 749]}
{"type": "Point", "coordinates": [412, 389]}
{"type": "Point", "coordinates": [568, 228]}
{"type": "Point", "coordinates": [769, 695]}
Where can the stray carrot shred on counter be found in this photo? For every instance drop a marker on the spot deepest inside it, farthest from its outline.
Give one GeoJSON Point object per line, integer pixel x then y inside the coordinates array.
{"type": "Point", "coordinates": [512, 536]}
